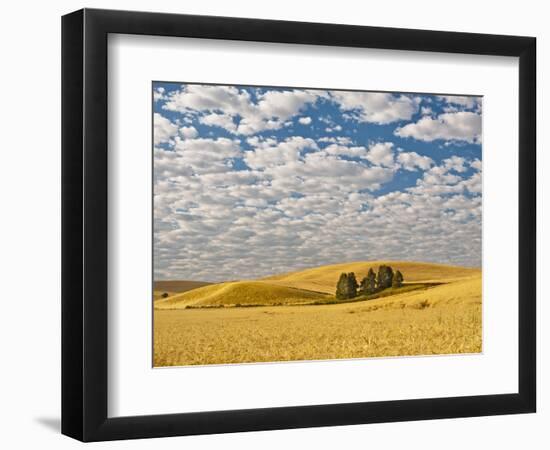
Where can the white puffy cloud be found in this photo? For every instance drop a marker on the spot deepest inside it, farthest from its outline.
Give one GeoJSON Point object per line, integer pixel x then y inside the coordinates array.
{"type": "Point", "coordinates": [343, 140]}
{"type": "Point", "coordinates": [376, 107]}
{"type": "Point", "coordinates": [381, 154]}
{"type": "Point", "coordinates": [460, 126]}
{"type": "Point", "coordinates": [189, 132]}
{"type": "Point", "coordinates": [334, 128]}
{"type": "Point", "coordinates": [196, 97]}
{"type": "Point", "coordinates": [426, 111]}
{"type": "Point", "coordinates": [224, 121]}
{"type": "Point", "coordinates": [412, 161]}
{"type": "Point", "coordinates": [164, 130]}
{"type": "Point", "coordinates": [284, 104]}
{"type": "Point", "coordinates": [476, 164]}
{"type": "Point", "coordinates": [347, 150]}
{"type": "Point", "coordinates": [468, 102]}
{"type": "Point", "coordinates": [158, 94]}
{"type": "Point", "coordinates": [440, 176]}
{"type": "Point", "coordinates": [446, 178]}
{"type": "Point", "coordinates": [268, 155]}
{"type": "Point", "coordinates": [193, 156]}
{"type": "Point", "coordinates": [236, 110]}
{"type": "Point", "coordinates": [305, 120]}
{"type": "Point", "coordinates": [473, 184]}
{"type": "Point", "coordinates": [455, 163]}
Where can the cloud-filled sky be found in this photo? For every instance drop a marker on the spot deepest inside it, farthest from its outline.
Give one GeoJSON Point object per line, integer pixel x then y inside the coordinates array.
{"type": "Point", "coordinates": [252, 181]}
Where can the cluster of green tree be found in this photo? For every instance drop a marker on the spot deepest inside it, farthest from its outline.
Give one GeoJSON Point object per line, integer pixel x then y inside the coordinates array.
{"type": "Point", "coordinates": [348, 287]}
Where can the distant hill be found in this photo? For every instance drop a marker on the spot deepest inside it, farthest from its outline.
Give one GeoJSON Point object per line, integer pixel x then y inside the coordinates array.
{"type": "Point", "coordinates": [172, 287]}
{"type": "Point", "coordinates": [324, 278]}
{"type": "Point", "coordinates": [178, 285]}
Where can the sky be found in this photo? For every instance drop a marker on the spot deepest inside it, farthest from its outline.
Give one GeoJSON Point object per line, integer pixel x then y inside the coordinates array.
{"type": "Point", "coordinates": [254, 181]}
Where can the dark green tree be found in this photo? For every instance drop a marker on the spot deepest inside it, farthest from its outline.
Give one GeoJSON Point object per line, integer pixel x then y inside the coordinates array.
{"type": "Point", "coordinates": [397, 279]}
{"type": "Point", "coordinates": [347, 286]}
{"type": "Point", "coordinates": [363, 287]}
{"type": "Point", "coordinates": [352, 285]}
{"type": "Point", "coordinates": [385, 277]}
{"type": "Point", "coordinates": [371, 282]}
{"type": "Point", "coordinates": [342, 287]}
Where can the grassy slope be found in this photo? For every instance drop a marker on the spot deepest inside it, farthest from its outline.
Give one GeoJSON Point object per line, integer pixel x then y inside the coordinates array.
{"type": "Point", "coordinates": [239, 293]}
{"type": "Point", "coordinates": [462, 292]}
{"type": "Point", "coordinates": [324, 278]}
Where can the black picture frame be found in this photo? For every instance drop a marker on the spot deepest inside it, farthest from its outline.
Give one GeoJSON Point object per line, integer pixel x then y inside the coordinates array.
{"type": "Point", "coordinates": [84, 224]}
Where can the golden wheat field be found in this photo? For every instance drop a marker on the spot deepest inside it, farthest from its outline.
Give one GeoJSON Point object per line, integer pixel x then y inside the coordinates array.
{"type": "Point", "coordinates": [211, 325]}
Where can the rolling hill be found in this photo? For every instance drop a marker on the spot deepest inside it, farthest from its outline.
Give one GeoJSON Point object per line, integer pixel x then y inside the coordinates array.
{"type": "Point", "coordinates": [463, 292]}
{"type": "Point", "coordinates": [324, 278]}
{"type": "Point", "coordinates": [239, 293]}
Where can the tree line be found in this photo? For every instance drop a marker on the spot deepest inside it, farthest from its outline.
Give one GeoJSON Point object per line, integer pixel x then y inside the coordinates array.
{"type": "Point", "coordinates": [347, 286]}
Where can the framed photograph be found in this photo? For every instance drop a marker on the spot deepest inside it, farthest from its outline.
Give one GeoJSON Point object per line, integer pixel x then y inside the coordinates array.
{"type": "Point", "coordinates": [273, 225]}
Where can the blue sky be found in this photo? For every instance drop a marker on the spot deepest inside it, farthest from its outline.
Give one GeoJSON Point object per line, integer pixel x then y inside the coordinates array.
{"type": "Point", "coordinates": [251, 181]}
